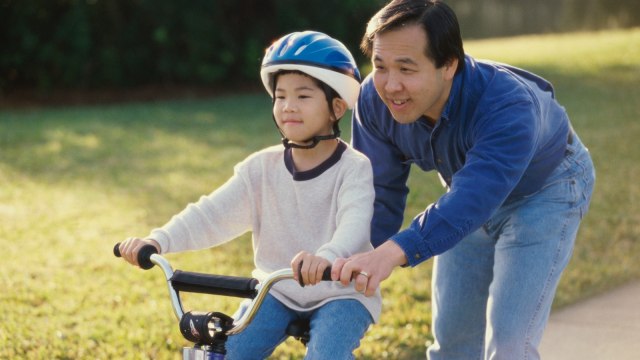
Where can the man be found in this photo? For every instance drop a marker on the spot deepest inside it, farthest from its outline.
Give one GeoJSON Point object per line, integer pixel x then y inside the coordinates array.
{"type": "Point", "coordinates": [518, 182]}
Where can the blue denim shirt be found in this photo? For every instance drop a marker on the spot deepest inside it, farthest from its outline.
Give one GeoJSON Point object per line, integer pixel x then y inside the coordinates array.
{"type": "Point", "coordinates": [501, 133]}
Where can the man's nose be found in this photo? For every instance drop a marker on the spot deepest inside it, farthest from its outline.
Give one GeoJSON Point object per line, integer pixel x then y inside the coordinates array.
{"type": "Point", "coordinates": [392, 83]}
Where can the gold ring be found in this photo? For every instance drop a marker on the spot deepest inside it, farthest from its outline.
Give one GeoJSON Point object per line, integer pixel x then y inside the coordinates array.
{"type": "Point", "coordinates": [364, 273]}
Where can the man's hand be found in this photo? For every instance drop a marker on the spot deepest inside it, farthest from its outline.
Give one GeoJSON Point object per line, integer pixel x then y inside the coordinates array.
{"type": "Point", "coordinates": [369, 269]}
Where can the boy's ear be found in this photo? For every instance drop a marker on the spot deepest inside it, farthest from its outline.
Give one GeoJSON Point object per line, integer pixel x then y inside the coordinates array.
{"type": "Point", "coordinates": [339, 107]}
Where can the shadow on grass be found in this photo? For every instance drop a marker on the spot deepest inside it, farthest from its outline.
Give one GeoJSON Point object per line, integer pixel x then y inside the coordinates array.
{"type": "Point", "coordinates": [125, 146]}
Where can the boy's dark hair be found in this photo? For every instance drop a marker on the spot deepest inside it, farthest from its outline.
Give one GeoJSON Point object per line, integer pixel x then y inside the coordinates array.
{"type": "Point", "coordinates": [436, 18]}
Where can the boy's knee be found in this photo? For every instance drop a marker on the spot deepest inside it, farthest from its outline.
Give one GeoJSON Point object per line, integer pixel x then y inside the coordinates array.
{"type": "Point", "coordinates": [324, 351]}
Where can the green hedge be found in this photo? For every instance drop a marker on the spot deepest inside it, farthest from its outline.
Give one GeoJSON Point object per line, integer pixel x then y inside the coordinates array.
{"type": "Point", "coordinates": [121, 43]}
{"type": "Point", "coordinates": [85, 44]}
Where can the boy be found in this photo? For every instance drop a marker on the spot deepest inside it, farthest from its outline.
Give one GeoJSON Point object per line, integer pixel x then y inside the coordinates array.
{"type": "Point", "coordinates": [309, 201]}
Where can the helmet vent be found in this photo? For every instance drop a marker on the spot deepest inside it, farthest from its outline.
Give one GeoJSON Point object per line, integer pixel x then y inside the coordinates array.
{"type": "Point", "coordinates": [300, 49]}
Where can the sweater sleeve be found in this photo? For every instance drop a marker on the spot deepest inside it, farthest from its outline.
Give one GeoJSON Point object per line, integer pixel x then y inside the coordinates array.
{"type": "Point", "coordinates": [216, 218]}
{"type": "Point", "coordinates": [354, 212]}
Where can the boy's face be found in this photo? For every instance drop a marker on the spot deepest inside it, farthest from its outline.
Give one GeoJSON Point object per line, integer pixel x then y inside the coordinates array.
{"type": "Point", "coordinates": [407, 80]}
{"type": "Point", "coordinates": [300, 108]}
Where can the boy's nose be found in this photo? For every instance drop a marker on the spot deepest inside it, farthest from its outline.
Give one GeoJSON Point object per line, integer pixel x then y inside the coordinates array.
{"type": "Point", "coordinates": [289, 106]}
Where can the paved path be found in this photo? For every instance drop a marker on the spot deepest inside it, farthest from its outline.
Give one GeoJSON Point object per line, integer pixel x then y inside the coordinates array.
{"type": "Point", "coordinates": [606, 327]}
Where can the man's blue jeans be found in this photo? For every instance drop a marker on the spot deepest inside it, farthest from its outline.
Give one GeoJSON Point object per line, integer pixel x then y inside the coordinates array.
{"type": "Point", "coordinates": [492, 293]}
{"type": "Point", "coordinates": [336, 330]}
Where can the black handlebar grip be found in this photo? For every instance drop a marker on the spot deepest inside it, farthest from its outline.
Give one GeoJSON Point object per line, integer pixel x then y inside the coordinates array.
{"type": "Point", "coordinates": [234, 286]}
{"type": "Point", "coordinates": [116, 250]}
{"type": "Point", "coordinates": [144, 255]}
{"type": "Point", "coordinates": [326, 274]}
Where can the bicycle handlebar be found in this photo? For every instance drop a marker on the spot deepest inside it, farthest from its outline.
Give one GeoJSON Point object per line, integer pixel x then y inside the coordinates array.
{"type": "Point", "coordinates": [233, 286]}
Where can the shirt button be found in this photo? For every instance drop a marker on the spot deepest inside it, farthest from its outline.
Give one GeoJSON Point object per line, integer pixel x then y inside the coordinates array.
{"type": "Point", "coordinates": [439, 161]}
{"type": "Point", "coordinates": [416, 256]}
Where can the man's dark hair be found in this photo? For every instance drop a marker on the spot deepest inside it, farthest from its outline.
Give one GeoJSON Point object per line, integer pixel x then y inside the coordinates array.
{"type": "Point", "coordinates": [436, 18]}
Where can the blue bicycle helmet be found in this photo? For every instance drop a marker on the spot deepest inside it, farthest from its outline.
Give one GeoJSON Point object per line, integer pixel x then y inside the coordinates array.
{"type": "Point", "coordinates": [317, 55]}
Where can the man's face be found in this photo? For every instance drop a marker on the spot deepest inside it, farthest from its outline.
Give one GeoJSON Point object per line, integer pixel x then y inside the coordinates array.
{"type": "Point", "coordinates": [406, 80]}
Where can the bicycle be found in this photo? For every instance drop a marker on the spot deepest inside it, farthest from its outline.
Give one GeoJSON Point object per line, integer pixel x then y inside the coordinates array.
{"type": "Point", "coordinates": [208, 331]}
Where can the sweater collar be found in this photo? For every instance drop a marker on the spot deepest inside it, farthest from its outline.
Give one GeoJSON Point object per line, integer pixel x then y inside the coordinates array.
{"type": "Point", "coordinates": [318, 170]}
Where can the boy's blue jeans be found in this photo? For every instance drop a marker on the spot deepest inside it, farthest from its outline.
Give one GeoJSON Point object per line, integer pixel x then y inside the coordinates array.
{"type": "Point", "coordinates": [492, 293]}
{"type": "Point", "coordinates": [336, 330]}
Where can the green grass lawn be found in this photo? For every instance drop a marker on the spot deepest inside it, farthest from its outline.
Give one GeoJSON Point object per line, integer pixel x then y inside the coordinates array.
{"type": "Point", "coordinates": [73, 181]}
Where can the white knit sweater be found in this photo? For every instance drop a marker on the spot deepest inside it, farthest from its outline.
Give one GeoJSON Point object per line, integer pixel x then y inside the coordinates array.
{"type": "Point", "coordinates": [326, 211]}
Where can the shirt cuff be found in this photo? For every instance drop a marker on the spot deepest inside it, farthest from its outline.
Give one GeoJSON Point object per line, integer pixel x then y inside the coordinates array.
{"type": "Point", "coordinates": [328, 255]}
{"type": "Point", "coordinates": [161, 238]}
{"type": "Point", "coordinates": [408, 241]}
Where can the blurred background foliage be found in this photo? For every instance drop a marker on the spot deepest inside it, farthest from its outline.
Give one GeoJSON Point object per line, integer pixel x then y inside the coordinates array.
{"type": "Point", "coordinates": [50, 45]}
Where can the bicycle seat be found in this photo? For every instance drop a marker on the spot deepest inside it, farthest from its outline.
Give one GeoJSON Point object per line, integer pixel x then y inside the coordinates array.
{"type": "Point", "coordinates": [299, 330]}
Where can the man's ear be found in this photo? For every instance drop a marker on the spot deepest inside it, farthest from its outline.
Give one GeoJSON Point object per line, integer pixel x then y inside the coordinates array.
{"type": "Point", "coordinates": [450, 68]}
{"type": "Point", "coordinates": [339, 107]}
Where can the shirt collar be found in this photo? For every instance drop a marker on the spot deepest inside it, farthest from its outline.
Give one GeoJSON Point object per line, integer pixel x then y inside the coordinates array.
{"type": "Point", "coordinates": [456, 91]}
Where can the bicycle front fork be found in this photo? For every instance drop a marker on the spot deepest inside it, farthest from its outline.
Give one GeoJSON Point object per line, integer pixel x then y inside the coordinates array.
{"type": "Point", "coordinates": [203, 353]}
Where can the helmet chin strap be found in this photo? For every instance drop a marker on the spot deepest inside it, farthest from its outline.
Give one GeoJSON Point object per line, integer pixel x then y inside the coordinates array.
{"type": "Point", "coordinates": [314, 140]}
